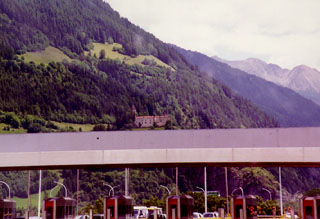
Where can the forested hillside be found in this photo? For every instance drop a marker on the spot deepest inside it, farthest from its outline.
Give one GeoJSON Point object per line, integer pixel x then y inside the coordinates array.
{"type": "Point", "coordinates": [91, 89]}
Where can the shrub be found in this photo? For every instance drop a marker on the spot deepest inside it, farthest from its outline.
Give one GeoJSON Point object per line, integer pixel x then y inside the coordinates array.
{"type": "Point", "coordinates": [12, 120]}
{"type": "Point", "coordinates": [35, 128]}
{"type": "Point", "coordinates": [99, 127]}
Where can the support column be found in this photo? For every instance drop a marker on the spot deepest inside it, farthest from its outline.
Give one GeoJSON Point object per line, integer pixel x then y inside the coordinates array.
{"type": "Point", "coordinates": [127, 181]}
{"type": "Point", "coordinates": [39, 200]}
{"type": "Point", "coordinates": [281, 207]}
{"type": "Point", "coordinates": [78, 176]}
{"type": "Point", "coordinates": [227, 191]}
{"type": "Point", "coordinates": [177, 192]}
{"type": "Point", "coordinates": [205, 190]}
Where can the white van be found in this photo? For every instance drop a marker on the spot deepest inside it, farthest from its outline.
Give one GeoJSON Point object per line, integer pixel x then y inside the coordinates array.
{"type": "Point", "coordinates": [140, 212]}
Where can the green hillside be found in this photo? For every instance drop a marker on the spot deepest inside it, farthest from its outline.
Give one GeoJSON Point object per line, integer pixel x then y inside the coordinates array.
{"type": "Point", "coordinates": [50, 54]}
{"type": "Point", "coordinates": [113, 65]}
{"type": "Point", "coordinates": [112, 51]}
{"type": "Point", "coordinates": [34, 198]}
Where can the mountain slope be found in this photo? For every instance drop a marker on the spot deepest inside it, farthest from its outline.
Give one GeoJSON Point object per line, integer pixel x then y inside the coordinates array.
{"type": "Point", "coordinates": [99, 89]}
{"type": "Point", "coordinates": [288, 107]}
{"type": "Point", "coordinates": [302, 79]}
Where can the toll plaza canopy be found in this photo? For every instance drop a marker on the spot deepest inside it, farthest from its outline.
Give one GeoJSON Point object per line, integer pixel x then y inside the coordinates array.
{"type": "Point", "coordinates": [218, 147]}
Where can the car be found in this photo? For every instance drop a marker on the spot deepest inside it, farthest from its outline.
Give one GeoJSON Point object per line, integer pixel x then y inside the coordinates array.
{"type": "Point", "coordinates": [197, 215]}
{"type": "Point", "coordinates": [84, 216]}
{"type": "Point", "coordinates": [288, 215]}
{"type": "Point", "coordinates": [153, 209]}
{"type": "Point", "coordinates": [140, 212]}
{"type": "Point", "coordinates": [210, 214]}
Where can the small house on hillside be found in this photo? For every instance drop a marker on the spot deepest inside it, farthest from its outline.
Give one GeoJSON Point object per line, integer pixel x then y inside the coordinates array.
{"type": "Point", "coordinates": [150, 121]}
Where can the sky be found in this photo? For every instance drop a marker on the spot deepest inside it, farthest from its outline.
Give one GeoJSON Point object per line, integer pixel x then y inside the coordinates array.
{"type": "Point", "coordinates": [283, 32]}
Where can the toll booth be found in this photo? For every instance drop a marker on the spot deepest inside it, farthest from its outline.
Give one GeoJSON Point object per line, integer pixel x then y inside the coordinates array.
{"type": "Point", "coordinates": [248, 204]}
{"type": "Point", "coordinates": [309, 207]}
{"type": "Point", "coordinates": [118, 207]}
{"type": "Point", "coordinates": [7, 209]}
{"type": "Point", "coordinates": [58, 208]}
{"type": "Point", "coordinates": [179, 207]}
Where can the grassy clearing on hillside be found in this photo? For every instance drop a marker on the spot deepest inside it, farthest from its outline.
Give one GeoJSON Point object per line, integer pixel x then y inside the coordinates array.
{"type": "Point", "coordinates": [61, 125]}
{"type": "Point", "coordinates": [23, 202]}
{"type": "Point", "coordinates": [12, 130]}
{"type": "Point", "coordinates": [108, 48]}
{"type": "Point", "coordinates": [50, 54]}
{"type": "Point", "coordinates": [76, 127]}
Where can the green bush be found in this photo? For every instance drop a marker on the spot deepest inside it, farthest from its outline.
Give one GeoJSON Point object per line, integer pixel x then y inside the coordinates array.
{"type": "Point", "coordinates": [35, 128]}
{"type": "Point", "coordinates": [12, 119]}
{"type": "Point", "coordinates": [99, 127]}
{"type": "Point", "coordinates": [2, 118]}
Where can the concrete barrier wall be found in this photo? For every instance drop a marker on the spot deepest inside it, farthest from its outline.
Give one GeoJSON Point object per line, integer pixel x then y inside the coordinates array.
{"type": "Point", "coordinates": [260, 147]}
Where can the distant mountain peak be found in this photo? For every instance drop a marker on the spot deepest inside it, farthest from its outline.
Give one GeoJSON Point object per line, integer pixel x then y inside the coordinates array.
{"type": "Point", "coordinates": [302, 78]}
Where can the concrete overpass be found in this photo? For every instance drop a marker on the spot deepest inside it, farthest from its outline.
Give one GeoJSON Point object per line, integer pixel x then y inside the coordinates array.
{"type": "Point", "coordinates": [223, 147]}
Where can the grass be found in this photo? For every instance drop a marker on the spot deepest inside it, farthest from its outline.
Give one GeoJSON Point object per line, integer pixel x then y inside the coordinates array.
{"type": "Point", "coordinates": [12, 130]}
{"type": "Point", "coordinates": [23, 202]}
{"type": "Point", "coordinates": [61, 125]}
{"type": "Point", "coordinates": [50, 54]}
{"type": "Point", "coordinates": [108, 48]}
{"type": "Point", "coordinates": [76, 127]}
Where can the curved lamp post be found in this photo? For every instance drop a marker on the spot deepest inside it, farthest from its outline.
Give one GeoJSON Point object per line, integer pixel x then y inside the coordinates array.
{"type": "Point", "coordinates": [8, 188]}
{"type": "Point", "coordinates": [168, 190]}
{"type": "Point", "coordinates": [268, 192]}
{"type": "Point", "coordinates": [111, 188]}
{"type": "Point", "coordinates": [238, 189]}
{"type": "Point", "coordinates": [65, 188]}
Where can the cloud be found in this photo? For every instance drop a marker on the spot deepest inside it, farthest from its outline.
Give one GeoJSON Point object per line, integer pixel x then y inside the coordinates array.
{"type": "Point", "coordinates": [284, 32]}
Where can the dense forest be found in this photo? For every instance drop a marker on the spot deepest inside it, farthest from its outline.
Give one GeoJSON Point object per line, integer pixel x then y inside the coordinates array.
{"type": "Point", "coordinates": [93, 89]}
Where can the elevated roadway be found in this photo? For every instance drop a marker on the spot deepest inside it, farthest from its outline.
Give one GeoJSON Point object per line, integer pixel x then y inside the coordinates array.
{"type": "Point", "coordinates": [222, 147]}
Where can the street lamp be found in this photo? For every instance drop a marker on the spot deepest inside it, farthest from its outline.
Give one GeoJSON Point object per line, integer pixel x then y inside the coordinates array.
{"type": "Point", "coordinates": [236, 190]}
{"type": "Point", "coordinates": [169, 192]}
{"type": "Point", "coordinates": [205, 198]}
{"type": "Point", "coordinates": [65, 189]}
{"type": "Point", "coordinates": [200, 188]}
{"type": "Point", "coordinates": [8, 188]}
{"type": "Point", "coordinates": [268, 192]}
{"type": "Point", "coordinates": [111, 188]}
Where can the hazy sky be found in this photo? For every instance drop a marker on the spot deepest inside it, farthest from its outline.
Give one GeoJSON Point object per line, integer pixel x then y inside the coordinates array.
{"type": "Point", "coordinates": [284, 32]}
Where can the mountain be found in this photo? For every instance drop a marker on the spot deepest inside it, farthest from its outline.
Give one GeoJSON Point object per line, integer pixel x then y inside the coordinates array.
{"type": "Point", "coordinates": [305, 81]}
{"type": "Point", "coordinates": [111, 65]}
{"type": "Point", "coordinates": [302, 79]}
{"type": "Point", "coordinates": [285, 105]}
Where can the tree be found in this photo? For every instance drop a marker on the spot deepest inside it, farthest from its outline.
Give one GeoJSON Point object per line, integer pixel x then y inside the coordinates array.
{"type": "Point", "coordinates": [110, 40]}
{"type": "Point", "coordinates": [102, 54]}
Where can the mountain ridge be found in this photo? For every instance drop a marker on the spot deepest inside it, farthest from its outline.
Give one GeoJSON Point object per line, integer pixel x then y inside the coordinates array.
{"type": "Point", "coordinates": [301, 78]}
{"type": "Point", "coordinates": [287, 106]}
